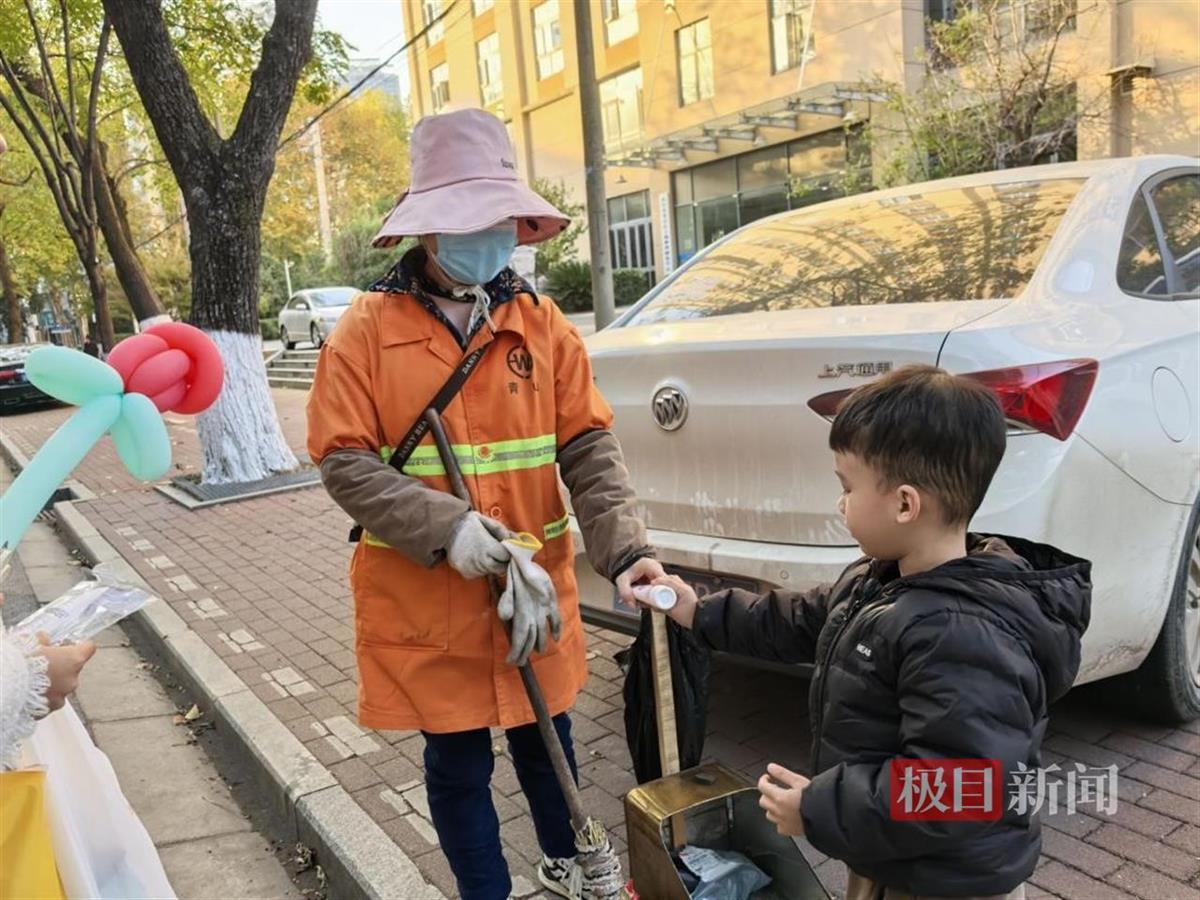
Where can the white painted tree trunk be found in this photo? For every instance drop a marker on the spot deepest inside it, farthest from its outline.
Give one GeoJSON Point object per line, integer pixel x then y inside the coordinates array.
{"type": "Point", "coordinates": [240, 435]}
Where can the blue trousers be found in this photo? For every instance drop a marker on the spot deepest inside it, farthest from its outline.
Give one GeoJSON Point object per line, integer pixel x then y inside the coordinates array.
{"type": "Point", "coordinates": [458, 775]}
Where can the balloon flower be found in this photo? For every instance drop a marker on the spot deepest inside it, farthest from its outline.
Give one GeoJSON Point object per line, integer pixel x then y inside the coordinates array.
{"type": "Point", "coordinates": [168, 367]}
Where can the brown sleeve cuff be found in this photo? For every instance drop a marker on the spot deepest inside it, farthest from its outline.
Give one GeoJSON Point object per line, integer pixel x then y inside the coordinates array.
{"type": "Point", "coordinates": [604, 503]}
{"type": "Point", "coordinates": [399, 510]}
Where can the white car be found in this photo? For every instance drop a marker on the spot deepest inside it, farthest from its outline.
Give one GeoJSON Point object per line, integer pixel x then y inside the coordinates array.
{"type": "Point", "coordinates": [311, 314]}
{"type": "Point", "coordinates": [1073, 290]}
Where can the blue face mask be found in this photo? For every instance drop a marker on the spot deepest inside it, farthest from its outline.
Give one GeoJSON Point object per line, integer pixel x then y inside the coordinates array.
{"type": "Point", "coordinates": [479, 257]}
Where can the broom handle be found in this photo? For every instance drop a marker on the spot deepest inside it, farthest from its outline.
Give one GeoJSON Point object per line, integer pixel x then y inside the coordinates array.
{"type": "Point", "coordinates": [554, 747]}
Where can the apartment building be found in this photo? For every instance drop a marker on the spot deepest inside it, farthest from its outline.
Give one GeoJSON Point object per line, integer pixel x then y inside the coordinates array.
{"type": "Point", "coordinates": [718, 112]}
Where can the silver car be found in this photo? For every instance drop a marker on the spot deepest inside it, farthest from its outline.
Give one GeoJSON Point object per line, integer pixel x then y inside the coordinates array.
{"type": "Point", "coordinates": [312, 313]}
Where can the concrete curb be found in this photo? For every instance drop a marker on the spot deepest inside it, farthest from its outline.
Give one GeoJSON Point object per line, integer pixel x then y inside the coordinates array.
{"type": "Point", "coordinates": [358, 857]}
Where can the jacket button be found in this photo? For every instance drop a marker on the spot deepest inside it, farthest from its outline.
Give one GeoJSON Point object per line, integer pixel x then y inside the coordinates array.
{"type": "Point", "coordinates": [495, 512]}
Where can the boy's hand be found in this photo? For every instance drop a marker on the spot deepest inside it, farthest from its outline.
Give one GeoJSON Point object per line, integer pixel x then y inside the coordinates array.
{"type": "Point", "coordinates": [783, 803]}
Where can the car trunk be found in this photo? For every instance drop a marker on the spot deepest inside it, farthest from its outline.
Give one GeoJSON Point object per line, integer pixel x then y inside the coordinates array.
{"type": "Point", "coordinates": [751, 459]}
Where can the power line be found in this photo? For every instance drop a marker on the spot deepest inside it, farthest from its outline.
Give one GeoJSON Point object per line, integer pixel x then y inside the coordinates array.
{"type": "Point", "coordinates": [371, 74]}
{"type": "Point", "coordinates": [324, 112]}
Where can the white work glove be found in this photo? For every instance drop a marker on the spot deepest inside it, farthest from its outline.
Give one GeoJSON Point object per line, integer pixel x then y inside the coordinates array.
{"type": "Point", "coordinates": [529, 601]}
{"type": "Point", "coordinates": [477, 547]}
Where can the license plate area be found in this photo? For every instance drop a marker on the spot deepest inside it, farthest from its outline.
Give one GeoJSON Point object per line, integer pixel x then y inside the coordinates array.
{"type": "Point", "coordinates": [702, 583]}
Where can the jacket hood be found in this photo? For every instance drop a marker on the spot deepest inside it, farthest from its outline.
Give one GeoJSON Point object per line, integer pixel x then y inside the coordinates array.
{"type": "Point", "coordinates": [1042, 592]}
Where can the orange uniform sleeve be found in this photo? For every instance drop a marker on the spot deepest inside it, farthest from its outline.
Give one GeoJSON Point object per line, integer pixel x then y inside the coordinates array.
{"type": "Point", "coordinates": [341, 411]}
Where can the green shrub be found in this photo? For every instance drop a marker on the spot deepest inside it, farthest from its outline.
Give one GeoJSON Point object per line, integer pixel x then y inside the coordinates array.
{"type": "Point", "coordinates": [628, 286]}
{"type": "Point", "coordinates": [570, 284]}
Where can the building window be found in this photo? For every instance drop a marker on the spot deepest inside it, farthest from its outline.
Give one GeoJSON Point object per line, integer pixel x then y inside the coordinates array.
{"type": "Point", "coordinates": [791, 21]}
{"type": "Point", "coordinates": [491, 84]}
{"type": "Point", "coordinates": [620, 20]}
{"type": "Point", "coordinates": [1040, 16]}
{"type": "Point", "coordinates": [716, 198]}
{"type": "Point", "coordinates": [621, 103]}
{"type": "Point", "coordinates": [479, 7]}
{"type": "Point", "coordinates": [630, 234]}
{"type": "Point", "coordinates": [430, 10]}
{"type": "Point", "coordinates": [439, 86]}
{"type": "Point", "coordinates": [547, 39]}
{"type": "Point", "coordinates": [694, 44]}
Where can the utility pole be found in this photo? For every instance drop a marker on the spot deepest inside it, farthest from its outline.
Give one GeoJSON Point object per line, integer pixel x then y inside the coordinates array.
{"type": "Point", "coordinates": [322, 195]}
{"type": "Point", "coordinates": [593, 161]}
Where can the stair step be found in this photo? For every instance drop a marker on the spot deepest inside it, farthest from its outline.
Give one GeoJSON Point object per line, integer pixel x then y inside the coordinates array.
{"type": "Point", "coordinates": [297, 371]}
{"type": "Point", "coordinates": [300, 383]}
{"type": "Point", "coordinates": [301, 354]}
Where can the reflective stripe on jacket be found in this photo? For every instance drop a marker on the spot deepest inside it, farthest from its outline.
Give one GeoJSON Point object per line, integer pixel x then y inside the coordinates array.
{"type": "Point", "coordinates": [430, 647]}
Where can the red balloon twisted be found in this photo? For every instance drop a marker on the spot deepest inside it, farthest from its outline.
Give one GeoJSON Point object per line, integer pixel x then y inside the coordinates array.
{"type": "Point", "coordinates": [176, 365]}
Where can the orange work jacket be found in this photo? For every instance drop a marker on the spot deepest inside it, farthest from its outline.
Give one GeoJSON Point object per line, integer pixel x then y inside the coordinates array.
{"type": "Point", "coordinates": [430, 647]}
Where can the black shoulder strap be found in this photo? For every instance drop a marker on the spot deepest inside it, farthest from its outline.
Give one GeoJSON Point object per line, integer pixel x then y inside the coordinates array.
{"type": "Point", "coordinates": [420, 427]}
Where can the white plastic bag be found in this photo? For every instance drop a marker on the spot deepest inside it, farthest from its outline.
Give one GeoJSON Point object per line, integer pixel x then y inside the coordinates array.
{"type": "Point", "coordinates": [84, 611]}
{"type": "Point", "coordinates": [100, 845]}
{"type": "Point", "coordinates": [723, 874]}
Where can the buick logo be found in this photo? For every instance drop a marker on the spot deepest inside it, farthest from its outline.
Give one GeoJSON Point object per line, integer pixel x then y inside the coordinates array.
{"type": "Point", "coordinates": [669, 408]}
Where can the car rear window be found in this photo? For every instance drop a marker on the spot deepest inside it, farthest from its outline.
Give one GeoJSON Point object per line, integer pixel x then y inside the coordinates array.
{"type": "Point", "coordinates": [333, 296]}
{"type": "Point", "coordinates": [962, 244]}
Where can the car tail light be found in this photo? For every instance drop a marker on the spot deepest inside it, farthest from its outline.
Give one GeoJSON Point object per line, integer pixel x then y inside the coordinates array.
{"type": "Point", "coordinates": [1045, 397]}
{"type": "Point", "coordinates": [8, 375]}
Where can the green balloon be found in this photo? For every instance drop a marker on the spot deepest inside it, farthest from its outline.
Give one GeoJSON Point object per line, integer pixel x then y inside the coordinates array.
{"type": "Point", "coordinates": [71, 375]}
{"type": "Point", "coordinates": [141, 438]}
{"type": "Point", "coordinates": [34, 487]}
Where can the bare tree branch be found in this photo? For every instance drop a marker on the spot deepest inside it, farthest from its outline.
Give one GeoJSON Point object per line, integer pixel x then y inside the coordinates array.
{"type": "Point", "coordinates": [72, 223]}
{"type": "Point", "coordinates": [63, 173]}
{"type": "Point", "coordinates": [69, 61]}
{"type": "Point", "coordinates": [188, 138]}
{"type": "Point", "coordinates": [10, 183]}
{"type": "Point", "coordinates": [287, 47]}
{"type": "Point", "coordinates": [52, 95]}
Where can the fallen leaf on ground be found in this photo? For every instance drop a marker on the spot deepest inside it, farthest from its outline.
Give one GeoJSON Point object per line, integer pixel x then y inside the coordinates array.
{"type": "Point", "coordinates": [192, 714]}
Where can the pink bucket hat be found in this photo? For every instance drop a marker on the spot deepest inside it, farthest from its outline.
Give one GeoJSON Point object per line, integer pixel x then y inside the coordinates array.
{"type": "Point", "coordinates": [464, 179]}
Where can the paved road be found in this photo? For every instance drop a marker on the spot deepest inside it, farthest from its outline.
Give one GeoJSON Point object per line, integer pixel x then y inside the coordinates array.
{"type": "Point", "coordinates": [264, 582]}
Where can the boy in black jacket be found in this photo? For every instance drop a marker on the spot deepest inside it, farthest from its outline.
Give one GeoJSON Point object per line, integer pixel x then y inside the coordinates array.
{"type": "Point", "coordinates": [939, 644]}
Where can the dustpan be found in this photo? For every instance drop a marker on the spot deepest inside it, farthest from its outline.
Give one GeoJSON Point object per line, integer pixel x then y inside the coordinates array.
{"type": "Point", "coordinates": [708, 806]}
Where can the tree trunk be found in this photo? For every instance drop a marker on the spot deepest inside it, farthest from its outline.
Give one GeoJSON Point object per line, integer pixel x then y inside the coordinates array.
{"type": "Point", "coordinates": [12, 303]}
{"type": "Point", "coordinates": [135, 282]}
{"type": "Point", "coordinates": [99, 291]}
{"type": "Point", "coordinates": [224, 184]}
{"type": "Point", "coordinates": [240, 435]}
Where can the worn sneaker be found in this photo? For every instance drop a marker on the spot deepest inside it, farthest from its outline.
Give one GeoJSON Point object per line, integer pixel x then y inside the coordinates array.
{"type": "Point", "coordinates": [562, 877]}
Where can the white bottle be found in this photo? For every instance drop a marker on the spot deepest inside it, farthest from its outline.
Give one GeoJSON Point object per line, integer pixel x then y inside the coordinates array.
{"type": "Point", "coordinates": [660, 596]}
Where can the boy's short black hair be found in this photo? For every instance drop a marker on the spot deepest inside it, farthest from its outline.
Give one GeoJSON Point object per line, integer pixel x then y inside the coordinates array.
{"type": "Point", "coordinates": [922, 426]}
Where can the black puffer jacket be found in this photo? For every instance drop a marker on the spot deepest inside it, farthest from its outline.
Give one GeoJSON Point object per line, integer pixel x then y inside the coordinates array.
{"type": "Point", "coordinates": [957, 662]}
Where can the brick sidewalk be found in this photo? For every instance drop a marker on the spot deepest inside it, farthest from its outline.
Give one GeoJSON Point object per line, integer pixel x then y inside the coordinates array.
{"type": "Point", "coordinates": [264, 582]}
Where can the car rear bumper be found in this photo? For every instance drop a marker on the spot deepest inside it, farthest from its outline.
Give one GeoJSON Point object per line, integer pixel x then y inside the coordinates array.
{"type": "Point", "coordinates": [21, 395]}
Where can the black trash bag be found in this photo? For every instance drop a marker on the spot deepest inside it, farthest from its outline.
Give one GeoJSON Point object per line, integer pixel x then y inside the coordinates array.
{"type": "Point", "coordinates": [690, 668]}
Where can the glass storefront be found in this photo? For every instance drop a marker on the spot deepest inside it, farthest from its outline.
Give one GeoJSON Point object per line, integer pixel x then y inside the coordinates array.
{"type": "Point", "coordinates": [716, 198]}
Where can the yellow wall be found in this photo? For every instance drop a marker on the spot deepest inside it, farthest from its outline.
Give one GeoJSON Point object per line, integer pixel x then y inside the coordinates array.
{"type": "Point", "coordinates": [853, 40]}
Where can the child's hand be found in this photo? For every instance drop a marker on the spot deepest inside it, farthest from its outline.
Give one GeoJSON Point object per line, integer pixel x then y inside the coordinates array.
{"type": "Point", "coordinates": [783, 803]}
{"type": "Point", "coordinates": [65, 663]}
{"type": "Point", "coordinates": [684, 610]}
